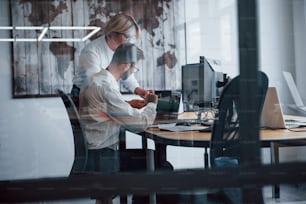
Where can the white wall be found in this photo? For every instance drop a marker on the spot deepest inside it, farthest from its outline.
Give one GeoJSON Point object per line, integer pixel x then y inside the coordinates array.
{"type": "Point", "coordinates": [282, 48]}
{"type": "Point", "coordinates": [282, 43]}
{"type": "Point", "coordinates": [299, 16]}
{"type": "Point", "coordinates": [276, 42]}
{"type": "Point", "coordinates": [35, 134]}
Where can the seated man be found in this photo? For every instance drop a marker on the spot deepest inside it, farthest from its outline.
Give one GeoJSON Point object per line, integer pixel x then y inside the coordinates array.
{"type": "Point", "coordinates": [103, 109]}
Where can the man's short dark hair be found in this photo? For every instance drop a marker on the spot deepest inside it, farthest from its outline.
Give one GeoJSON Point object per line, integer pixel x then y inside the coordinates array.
{"type": "Point", "coordinates": [127, 53]}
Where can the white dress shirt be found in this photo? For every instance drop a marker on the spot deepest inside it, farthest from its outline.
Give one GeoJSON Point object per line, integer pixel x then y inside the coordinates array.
{"type": "Point", "coordinates": [103, 110]}
{"type": "Point", "coordinates": [95, 56]}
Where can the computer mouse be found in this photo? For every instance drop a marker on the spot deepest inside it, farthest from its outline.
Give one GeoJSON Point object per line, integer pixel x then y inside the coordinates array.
{"type": "Point", "coordinates": [183, 123]}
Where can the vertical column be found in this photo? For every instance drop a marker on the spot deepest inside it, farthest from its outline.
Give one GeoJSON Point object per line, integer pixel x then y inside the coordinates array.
{"type": "Point", "coordinates": [249, 119]}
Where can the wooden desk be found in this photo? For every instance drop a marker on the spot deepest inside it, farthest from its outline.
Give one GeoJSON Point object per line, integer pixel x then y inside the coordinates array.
{"type": "Point", "coordinates": [269, 138]}
{"type": "Point", "coordinates": [163, 138]}
{"type": "Point", "coordinates": [201, 139]}
{"type": "Point", "coordinates": [198, 139]}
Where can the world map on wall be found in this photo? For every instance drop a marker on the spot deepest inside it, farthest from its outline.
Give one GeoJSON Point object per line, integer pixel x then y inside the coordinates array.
{"type": "Point", "coordinates": [152, 17]}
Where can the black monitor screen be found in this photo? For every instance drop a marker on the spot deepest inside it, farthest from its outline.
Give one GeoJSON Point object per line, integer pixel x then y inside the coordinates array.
{"type": "Point", "coordinates": [198, 85]}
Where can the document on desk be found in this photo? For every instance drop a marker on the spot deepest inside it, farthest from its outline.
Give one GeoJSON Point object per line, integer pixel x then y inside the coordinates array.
{"type": "Point", "coordinates": [296, 122]}
{"type": "Point", "coordinates": [180, 128]}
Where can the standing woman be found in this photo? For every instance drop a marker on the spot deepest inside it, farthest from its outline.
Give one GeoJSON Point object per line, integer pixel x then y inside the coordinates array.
{"type": "Point", "coordinates": [97, 54]}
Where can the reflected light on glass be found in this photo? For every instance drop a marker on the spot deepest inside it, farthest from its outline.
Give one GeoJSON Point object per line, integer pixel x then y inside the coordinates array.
{"type": "Point", "coordinates": [44, 30]}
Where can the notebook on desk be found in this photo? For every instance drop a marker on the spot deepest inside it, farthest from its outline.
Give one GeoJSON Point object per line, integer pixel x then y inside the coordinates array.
{"type": "Point", "coordinates": [272, 114]}
{"type": "Point", "coordinates": [168, 106]}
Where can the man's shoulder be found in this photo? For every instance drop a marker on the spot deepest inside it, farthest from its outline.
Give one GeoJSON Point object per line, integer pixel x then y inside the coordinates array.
{"type": "Point", "coordinates": [102, 77]}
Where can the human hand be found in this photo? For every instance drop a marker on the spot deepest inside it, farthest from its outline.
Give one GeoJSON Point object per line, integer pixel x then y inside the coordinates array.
{"type": "Point", "coordinates": [137, 103]}
{"type": "Point", "coordinates": [141, 92]}
{"type": "Point", "coordinates": [151, 91]}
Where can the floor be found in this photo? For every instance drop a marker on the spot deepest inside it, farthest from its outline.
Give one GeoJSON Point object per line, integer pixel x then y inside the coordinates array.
{"type": "Point", "coordinates": [289, 194]}
{"type": "Point", "coordinates": [295, 194]}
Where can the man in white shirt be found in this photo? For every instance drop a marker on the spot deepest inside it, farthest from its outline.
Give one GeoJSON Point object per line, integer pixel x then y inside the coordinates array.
{"type": "Point", "coordinates": [103, 109]}
{"type": "Point", "coordinates": [97, 54]}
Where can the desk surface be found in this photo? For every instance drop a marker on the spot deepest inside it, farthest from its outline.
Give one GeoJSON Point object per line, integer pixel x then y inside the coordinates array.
{"type": "Point", "coordinates": [265, 134]}
{"type": "Point", "coordinates": [196, 138]}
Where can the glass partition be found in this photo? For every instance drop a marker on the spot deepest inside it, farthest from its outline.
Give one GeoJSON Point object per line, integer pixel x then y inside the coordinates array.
{"type": "Point", "coordinates": [61, 147]}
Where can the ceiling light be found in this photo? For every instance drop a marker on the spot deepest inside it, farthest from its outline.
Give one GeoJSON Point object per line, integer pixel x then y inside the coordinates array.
{"type": "Point", "coordinates": [42, 33]}
{"type": "Point", "coordinates": [44, 30]}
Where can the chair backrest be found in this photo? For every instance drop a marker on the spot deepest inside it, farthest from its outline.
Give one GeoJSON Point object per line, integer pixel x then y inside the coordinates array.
{"type": "Point", "coordinates": [225, 140]}
{"type": "Point", "coordinates": [80, 142]}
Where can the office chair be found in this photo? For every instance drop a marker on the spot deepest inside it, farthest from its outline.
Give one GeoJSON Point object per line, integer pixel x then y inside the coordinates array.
{"type": "Point", "coordinates": [130, 159]}
{"type": "Point", "coordinates": [80, 141]}
{"type": "Point", "coordinates": [225, 134]}
{"type": "Point", "coordinates": [225, 148]}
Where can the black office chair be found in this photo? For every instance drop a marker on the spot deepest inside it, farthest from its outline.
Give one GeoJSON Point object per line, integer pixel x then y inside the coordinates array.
{"type": "Point", "coordinates": [225, 148]}
{"type": "Point", "coordinates": [225, 138]}
{"type": "Point", "coordinates": [80, 141]}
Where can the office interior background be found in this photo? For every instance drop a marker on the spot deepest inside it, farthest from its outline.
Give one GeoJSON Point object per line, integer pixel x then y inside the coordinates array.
{"type": "Point", "coordinates": [35, 134]}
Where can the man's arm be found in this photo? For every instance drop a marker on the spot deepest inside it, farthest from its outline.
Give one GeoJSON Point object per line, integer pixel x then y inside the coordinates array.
{"type": "Point", "coordinates": [141, 92]}
{"type": "Point", "coordinates": [131, 118]}
{"type": "Point", "coordinates": [137, 103]}
{"type": "Point", "coordinates": [140, 103]}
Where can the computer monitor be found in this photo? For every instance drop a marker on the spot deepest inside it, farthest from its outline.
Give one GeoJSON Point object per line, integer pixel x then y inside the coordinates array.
{"type": "Point", "coordinates": [198, 85]}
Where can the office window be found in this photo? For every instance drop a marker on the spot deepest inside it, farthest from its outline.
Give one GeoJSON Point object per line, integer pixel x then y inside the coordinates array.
{"type": "Point", "coordinates": [211, 31]}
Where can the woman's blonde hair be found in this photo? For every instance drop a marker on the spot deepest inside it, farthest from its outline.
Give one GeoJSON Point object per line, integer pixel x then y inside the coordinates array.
{"type": "Point", "coordinates": [121, 23]}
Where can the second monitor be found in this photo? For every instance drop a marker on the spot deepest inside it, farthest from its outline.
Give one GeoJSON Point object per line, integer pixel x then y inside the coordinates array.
{"type": "Point", "coordinates": [198, 85]}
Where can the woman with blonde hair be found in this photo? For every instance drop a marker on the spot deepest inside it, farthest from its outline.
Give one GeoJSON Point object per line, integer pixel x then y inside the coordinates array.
{"type": "Point", "coordinates": [97, 54]}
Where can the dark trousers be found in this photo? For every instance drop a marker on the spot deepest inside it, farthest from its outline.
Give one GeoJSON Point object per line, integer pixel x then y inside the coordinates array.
{"type": "Point", "coordinates": [127, 160]}
{"type": "Point", "coordinates": [109, 160]}
{"type": "Point", "coordinates": [104, 160]}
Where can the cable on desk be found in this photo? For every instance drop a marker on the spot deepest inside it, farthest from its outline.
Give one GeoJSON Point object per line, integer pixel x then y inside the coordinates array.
{"type": "Point", "coordinates": [298, 129]}
{"type": "Point", "coordinates": [267, 128]}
